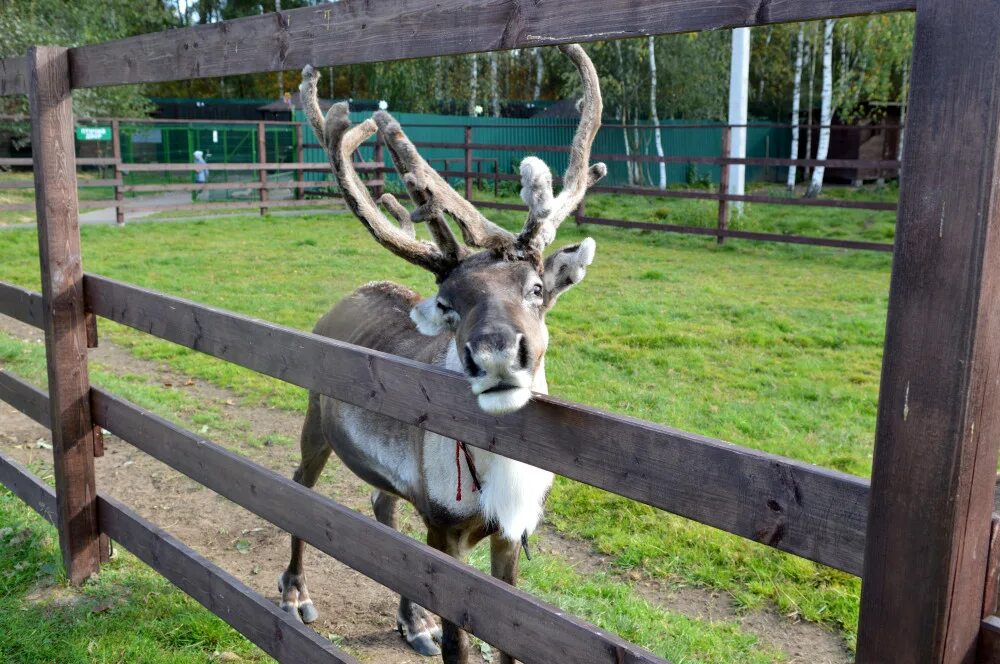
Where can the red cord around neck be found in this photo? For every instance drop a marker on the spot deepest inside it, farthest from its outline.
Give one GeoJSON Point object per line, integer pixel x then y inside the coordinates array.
{"type": "Point", "coordinates": [476, 486]}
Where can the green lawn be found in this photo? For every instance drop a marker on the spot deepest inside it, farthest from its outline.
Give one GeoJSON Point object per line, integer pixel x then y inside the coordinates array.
{"type": "Point", "coordinates": [772, 347]}
{"type": "Point", "coordinates": [44, 619]}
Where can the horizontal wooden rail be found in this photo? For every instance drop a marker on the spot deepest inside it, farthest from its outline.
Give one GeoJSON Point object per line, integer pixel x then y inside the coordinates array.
{"type": "Point", "coordinates": [275, 631]}
{"type": "Point", "coordinates": [812, 512]}
{"type": "Point", "coordinates": [80, 161]}
{"type": "Point", "coordinates": [249, 166]}
{"type": "Point", "coordinates": [30, 184]}
{"type": "Point", "coordinates": [513, 620]}
{"type": "Point", "coordinates": [215, 186]}
{"type": "Point", "coordinates": [27, 398]}
{"type": "Point", "coordinates": [744, 235]}
{"type": "Point", "coordinates": [24, 305]}
{"type": "Point", "coordinates": [35, 493]}
{"type": "Point", "coordinates": [864, 164]}
{"type": "Point", "coordinates": [344, 33]}
{"type": "Point", "coordinates": [136, 205]}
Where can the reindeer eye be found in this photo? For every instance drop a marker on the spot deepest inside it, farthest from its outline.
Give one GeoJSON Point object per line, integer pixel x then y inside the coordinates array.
{"type": "Point", "coordinates": [537, 290]}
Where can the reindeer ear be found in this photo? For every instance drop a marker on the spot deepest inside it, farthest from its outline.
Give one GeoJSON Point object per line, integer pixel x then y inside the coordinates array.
{"type": "Point", "coordinates": [566, 268]}
{"type": "Point", "coordinates": [429, 318]}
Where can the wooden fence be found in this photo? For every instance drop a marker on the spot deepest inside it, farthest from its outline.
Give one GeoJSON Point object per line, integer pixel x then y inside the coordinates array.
{"type": "Point", "coordinates": [919, 534]}
{"type": "Point", "coordinates": [472, 173]}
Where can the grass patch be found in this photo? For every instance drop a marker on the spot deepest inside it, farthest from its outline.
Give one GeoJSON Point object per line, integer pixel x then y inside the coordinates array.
{"type": "Point", "coordinates": [773, 347]}
{"type": "Point", "coordinates": [44, 619]}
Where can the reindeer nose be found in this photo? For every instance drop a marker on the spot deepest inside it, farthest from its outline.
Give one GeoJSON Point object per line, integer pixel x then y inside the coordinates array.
{"type": "Point", "coordinates": [498, 349]}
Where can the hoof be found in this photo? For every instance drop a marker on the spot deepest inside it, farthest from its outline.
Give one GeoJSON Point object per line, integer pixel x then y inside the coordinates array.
{"type": "Point", "coordinates": [308, 612]}
{"type": "Point", "coordinates": [424, 644]}
{"type": "Point", "coordinates": [288, 607]}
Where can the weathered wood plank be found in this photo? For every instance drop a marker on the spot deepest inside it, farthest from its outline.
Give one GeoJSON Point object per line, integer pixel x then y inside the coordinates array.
{"type": "Point", "coordinates": [13, 76]}
{"type": "Point", "coordinates": [938, 425]}
{"type": "Point", "coordinates": [25, 397]}
{"type": "Point", "coordinates": [257, 618]}
{"type": "Point", "coordinates": [745, 235]}
{"type": "Point", "coordinates": [513, 620]}
{"type": "Point", "coordinates": [812, 512]}
{"type": "Point", "coordinates": [355, 32]}
{"type": "Point", "coordinates": [62, 290]}
{"type": "Point", "coordinates": [988, 651]}
{"type": "Point", "coordinates": [21, 304]}
{"type": "Point", "coordinates": [36, 494]}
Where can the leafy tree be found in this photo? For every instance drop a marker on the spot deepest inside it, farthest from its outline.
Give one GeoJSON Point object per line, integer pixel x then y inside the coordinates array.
{"type": "Point", "coordinates": [25, 23]}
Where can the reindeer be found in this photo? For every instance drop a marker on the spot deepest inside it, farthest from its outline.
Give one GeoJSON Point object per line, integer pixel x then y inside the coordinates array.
{"type": "Point", "coordinates": [487, 320]}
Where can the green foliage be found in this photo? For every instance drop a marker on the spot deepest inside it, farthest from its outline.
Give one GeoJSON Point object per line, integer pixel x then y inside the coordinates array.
{"type": "Point", "coordinates": [26, 23]}
{"type": "Point", "coordinates": [127, 614]}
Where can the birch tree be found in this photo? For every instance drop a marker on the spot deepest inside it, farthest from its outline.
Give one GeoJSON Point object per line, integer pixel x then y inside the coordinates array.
{"type": "Point", "coordinates": [826, 110]}
{"type": "Point", "coordinates": [654, 116]}
{"type": "Point", "coordinates": [539, 72]}
{"type": "Point", "coordinates": [494, 85]}
{"type": "Point", "coordinates": [796, 103]}
{"type": "Point", "coordinates": [473, 82]}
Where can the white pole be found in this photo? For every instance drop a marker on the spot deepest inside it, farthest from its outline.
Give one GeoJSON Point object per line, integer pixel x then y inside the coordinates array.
{"type": "Point", "coordinates": [739, 88]}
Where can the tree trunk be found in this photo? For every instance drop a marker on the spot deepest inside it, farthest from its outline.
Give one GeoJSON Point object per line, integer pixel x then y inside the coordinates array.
{"type": "Point", "coordinates": [796, 103]}
{"type": "Point", "coordinates": [623, 116]}
{"type": "Point", "coordinates": [438, 81]}
{"type": "Point", "coordinates": [653, 114]}
{"type": "Point", "coordinates": [473, 82]}
{"type": "Point", "coordinates": [826, 111]}
{"type": "Point", "coordinates": [539, 72]}
{"type": "Point", "coordinates": [494, 85]}
{"type": "Point", "coordinates": [281, 74]}
{"type": "Point", "coordinates": [811, 54]}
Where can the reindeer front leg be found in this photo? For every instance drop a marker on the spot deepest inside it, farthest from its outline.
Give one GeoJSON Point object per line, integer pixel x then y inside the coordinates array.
{"type": "Point", "coordinates": [454, 640]}
{"type": "Point", "coordinates": [504, 558]}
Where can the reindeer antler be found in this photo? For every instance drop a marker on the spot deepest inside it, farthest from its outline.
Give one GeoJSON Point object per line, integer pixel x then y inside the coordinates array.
{"type": "Point", "coordinates": [340, 140]}
{"type": "Point", "coordinates": [434, 197]}
{"type": "Point", "coordinates": [546, 213]}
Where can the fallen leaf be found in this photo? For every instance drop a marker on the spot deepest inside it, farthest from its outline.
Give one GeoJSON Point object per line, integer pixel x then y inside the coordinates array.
{"type": "Point", "coordinates": [243, 546]}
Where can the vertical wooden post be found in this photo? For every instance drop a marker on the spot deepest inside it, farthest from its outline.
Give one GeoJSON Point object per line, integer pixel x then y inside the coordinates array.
{"type": "Point", "coordinates": [57, 207]}
{"type": "Point", "coordinates": [116, 152]}
{"type": "Point", "coordinates": [300, 191]}
{"type": "Point", "coordinates": [379, 159]}
{"type": "Point", "coordinates": [938, 425]}
{"type": "Point", "coordinates": [468, 163]}
{"type": "Point", "coordinates": [262, 159]}
{"type": "Point", "coordinates": [723, 223]}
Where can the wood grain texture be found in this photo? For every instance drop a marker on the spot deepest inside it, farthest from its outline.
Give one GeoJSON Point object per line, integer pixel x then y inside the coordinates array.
{"type": "Point", "coordinates": [35, 493]}
{"type": "Point", "coordinates": [275, 631]}
{"type": "Point", "coordinates": [62, 290]}
{"type": "Point", "coordinates": [510, 619]}
{"type": "Point", "coordinates": [812, 512]}
{"type": "Point", "coordinates": [13, 76]}
{"type": "Point", "coordinates": [745, 235]}
{"type": "Point", "coordinates": [938, 423]}
{"type": "Point", "coordinates": [21, 304]}
{"type": "Point", "coordinates": [354, 32]}
{"type": "Point", "coordinates": [24, 396]}
{"type": "Point", "coordinates": [257, 618]}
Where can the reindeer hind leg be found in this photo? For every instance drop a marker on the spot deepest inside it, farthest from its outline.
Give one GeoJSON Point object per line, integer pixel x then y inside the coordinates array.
{"type": "Point", "coordinates": [315, 453]}
{"type": "Point", "coordinates": [415, 623]}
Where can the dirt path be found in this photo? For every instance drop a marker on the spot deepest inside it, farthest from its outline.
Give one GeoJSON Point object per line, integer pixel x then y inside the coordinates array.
{"type": "Point", "coordinates": [354, 610]}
